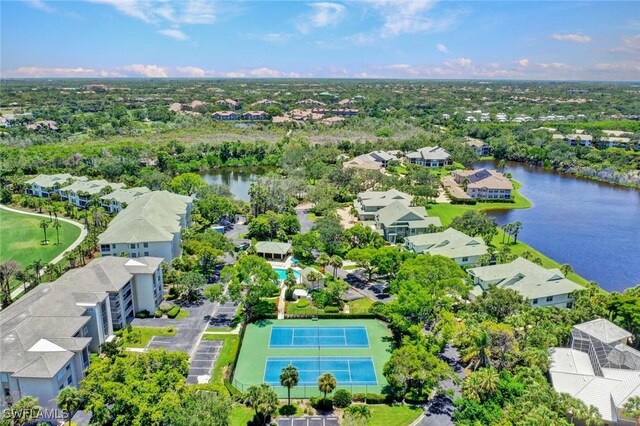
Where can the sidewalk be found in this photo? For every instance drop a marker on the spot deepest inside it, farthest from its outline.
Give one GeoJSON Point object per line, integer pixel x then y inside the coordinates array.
{"type": "Point", "coordinates": [76, 243]}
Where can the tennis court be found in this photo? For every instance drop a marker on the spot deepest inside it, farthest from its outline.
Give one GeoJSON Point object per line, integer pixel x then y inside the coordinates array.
{"type": "Point", "coordinates": [347, 370]}
{"type": "Point", "coordinates": [319, 337]}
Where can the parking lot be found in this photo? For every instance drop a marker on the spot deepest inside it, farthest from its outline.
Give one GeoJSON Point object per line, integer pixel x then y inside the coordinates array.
{"type": "Point", "coordinates": [308, 421]}
{"type": "Point", "coordinates": [158, 342]}
{"type": "Point", "coordinates": [224, 315]}
{"type": "Point", "coordinates": [203, 360]}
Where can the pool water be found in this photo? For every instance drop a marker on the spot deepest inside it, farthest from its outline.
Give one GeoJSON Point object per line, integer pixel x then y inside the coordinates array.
{"type": "Point", "coordinates": [282, 273]}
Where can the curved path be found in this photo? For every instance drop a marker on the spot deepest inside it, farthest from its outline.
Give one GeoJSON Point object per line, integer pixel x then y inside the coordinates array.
{"type": "Point", "coordinates": [58, 258]}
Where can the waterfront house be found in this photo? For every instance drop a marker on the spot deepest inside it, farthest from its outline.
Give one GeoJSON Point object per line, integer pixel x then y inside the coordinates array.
{"type": "Point", "coordinates": [45, 185]}
{"type": "Point", "coordinates": [430, 156]}
{"type": "Point", "coordinates": [224, 116]}
{"type": "Point", "coordinates": [451, 243]}
{"type": "Point", "coordinates": [79, 193]}
{"type": "Point", "coordinates": [273, 250]}
{"type": "Point", "coordinates": [368, 203]}
{"type": "Point", "coordinates": [120, 198]}
{"type": "Point", "coordinates": [479, 184]}
{"type": "Point", "coordinates": [579, 139]}
{"type": "Point", "coordinates": [399, 220]}
{"type": "Point", "coordinates": [47, 334]}
{"type": "Point", "coordinates": [479, 147]}
{"type": "Point", "coordinates": [540, 286]}
{"type": "Point", "coordinates": [599, 368]}
{"type": "Point", "coordinates": [151, 225]}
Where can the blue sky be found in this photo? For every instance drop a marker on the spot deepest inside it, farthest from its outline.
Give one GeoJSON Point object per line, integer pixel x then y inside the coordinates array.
{"type": "Point", "coordinates": [356, 39]}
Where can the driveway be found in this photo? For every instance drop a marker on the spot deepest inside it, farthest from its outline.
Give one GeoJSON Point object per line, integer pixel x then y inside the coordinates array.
{"type": "Point", "coordinates": [439, 410]}
{"type": "Point", "coordinates": [374, 290]}
{"type": "Point", "coordinates": [301, 212]}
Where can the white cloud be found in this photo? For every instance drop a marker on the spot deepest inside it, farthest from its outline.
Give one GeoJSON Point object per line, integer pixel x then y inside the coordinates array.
{"type": "Point", "coordinates": [410, 16]}
{"type": "Point", "coordinates": [324, 14]}
{"type": "Point", "coordinates": [523, 62]}
{"type": "Point", "coordinates": [179, 12]}
{"type": "Point", "coordinates": [262, 72]}
{"type": "Point", "coordinates": [575, 38]}
{"type": "Point", "coordinates": [271, 37]}
{"type": "Point", "coordinates": [40, 5]}
{"type": "Point", "coordinates": [42, 72]}
{"type": "Point", "coordinates": [146, 70]}
{"type": "Point", "coordinates": [174, 33]}
{"type": "Point", "coordinates": [442, 48]}
{"type": "Point", "coordinates": [630, 44]}
{"type": "Point", "coordinates": [191, 71]}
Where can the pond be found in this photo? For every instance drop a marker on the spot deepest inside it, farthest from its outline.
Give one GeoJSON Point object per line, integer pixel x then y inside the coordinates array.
{"type": "Point", "coordinates": [593, 226]}
{"type": "Point", "coordinates": [238, 179]}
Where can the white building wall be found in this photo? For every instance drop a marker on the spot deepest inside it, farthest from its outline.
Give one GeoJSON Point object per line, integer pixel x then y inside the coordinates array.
{"type": "Point", "coordinates": [45, 390]}
{"type": "Point", "coordinates": [558, 300]}
{"type": "Point", "coordinates": [144, 298]}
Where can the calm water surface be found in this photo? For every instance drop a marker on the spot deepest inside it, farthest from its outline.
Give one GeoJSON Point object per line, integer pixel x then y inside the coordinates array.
{"type": "Point", "coordinates": [238, 179]}
{"type": "Point", "coordinates": [592, 226]}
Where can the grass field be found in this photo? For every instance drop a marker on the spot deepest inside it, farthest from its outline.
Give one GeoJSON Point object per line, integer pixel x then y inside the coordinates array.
{"type": "Point", "coordinates": [396, 415]}
{"type": "Point", "coordinates": [21, 238]}
{"type": "Point", "coordinates": [255, 349]}
{"type": "Point", "coordinates": [360, 306]}
{"type": "Point", "coordinates": [140, 336]}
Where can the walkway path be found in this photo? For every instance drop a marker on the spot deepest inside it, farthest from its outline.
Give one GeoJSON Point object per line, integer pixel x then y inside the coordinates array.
{"type": "Point", "coordinates": [58, 258]}
{"type": "Point", "coordinates": [281, 302]}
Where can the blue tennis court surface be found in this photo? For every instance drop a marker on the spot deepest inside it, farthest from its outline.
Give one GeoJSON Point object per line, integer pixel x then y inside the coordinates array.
{"type": "Point", "coordinates": [319, 337]}
{"type": "Point", "coordinates": [347, 370]}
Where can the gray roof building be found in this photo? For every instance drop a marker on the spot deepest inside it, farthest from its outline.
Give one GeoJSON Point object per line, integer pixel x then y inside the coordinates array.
{"type": "Point", "coordinates": [125, 196]}
{"type": "Point", "coordinates": [152, 217]}
{"type": "Point", "coordinates": [273, 248]}
{"type": "Point", "coordinates": [449, 243]}
{"type": "Point", "coordinates": [49, 181]}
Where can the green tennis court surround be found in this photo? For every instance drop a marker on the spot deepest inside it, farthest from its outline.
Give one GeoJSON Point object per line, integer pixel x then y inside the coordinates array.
{"type": "Point", "coordinates": [353, 350]}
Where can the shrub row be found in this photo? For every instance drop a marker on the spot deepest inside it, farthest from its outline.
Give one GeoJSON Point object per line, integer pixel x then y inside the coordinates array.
{"type": "Point", "coordinates": [143, 314]}
{"type": "Point", "coordinates": [303, 303]}
{"type": "Point", "coordinates": [173, 312]}
{"type": "Point", "coordinates": [372, 398]}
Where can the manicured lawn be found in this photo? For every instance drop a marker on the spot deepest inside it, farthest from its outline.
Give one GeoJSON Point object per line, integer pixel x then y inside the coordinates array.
{"type": "Point", "coordinates": [241, 415]}
{"type": "Point", "coordinates": [22, 236]}
{"type": "Point", "coordinates": [393, 415]}
{"type": "Point", "coordinates": [293, 309]}
{"type": "Point", "coordinates": [360, 306]}
{"type": "Point", "coordinates": [219, 329]}
{"type": "Point", "coordinates": [312, 217]}
{"type": "Point", "coordinates": [227, 354]}
{"type": "Point", "coordinates": [182, 314]}
{"type": "Point", "coordinates": [144, 334]}
{"type": "Point", "coordinates": [447, 212]}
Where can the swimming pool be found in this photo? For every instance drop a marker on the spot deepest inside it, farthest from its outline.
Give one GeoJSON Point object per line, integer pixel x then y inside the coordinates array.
{"type": "Point", "coordinates": [282, 274]}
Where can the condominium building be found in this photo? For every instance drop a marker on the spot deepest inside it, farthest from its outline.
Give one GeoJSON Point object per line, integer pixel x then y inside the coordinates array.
{"type": "Point", "coordinates": [120, 198]}
{"type": "Point", "coordinates": [46, 336]}
{"type": "Point", "coordinates": [151, 225]}
{"type": "Point", "coordinates": [45, 185]}
{"type": "Point", "coordinates": [451, 243]}
{"type": "Point", "coordinates": [79, 192]}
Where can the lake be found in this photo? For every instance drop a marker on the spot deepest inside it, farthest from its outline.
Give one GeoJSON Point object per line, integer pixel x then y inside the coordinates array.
{"type": "Point", "coordinates": [238, 179]}
{"type": "Point", "coordinates": [593, 226]}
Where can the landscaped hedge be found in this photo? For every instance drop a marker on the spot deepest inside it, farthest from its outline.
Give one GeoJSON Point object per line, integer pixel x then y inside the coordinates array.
{"type": "Point", "coordinates": [233, 391]}
{"type": "Point", "coordinates": [173, 312]}
{"type": "Point", "coordinates": [372, 398]}
{"type": "Point", "coordinates": [158, 313]}
{"type": "Point", "coordinates": [320, 403]}
{"type": "Point", "coordinates": [303, 303]}
{"type": "Point", "coordinates": [336, 316]}
{"type": "Point", "coordinates": [342, 398]}
{"type": "Point", "coordinates": [143, 314]}
{"type": "Point", "coordinates": [331, 310]}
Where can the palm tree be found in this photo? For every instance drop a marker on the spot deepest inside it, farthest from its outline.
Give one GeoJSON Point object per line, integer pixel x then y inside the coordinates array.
{"type": "Point", "coordinates": [56, 225]}
{"type": "Point", "coordinates": [36, 266]}
{"type": "Point", "coordinates": [327, 383]}
{"type": "Point", "coordinates": [506, 229]}
{"type": "Point", "coordinates": [289, 379]}
{"type": "Point", "coordinates": [592, 417]}
{"type": "Point", "coordinates": [356, 415]}
{"type": "Point", "coordinates": [631, 408]}
{"type": "Point", "coordinates": [484, 260]}
{"type": "Point", "coordinates": [314, 277]}
{"type": "Point", "coordinates": [488, 379]}
{"type": "Point", "coordinates": [572, 406]}
{"type": "Point", "coordinates": [515, 230]}
{"type": "Point", "coordinates": [479, 353]}
{"type": "Point", "coordinates": [44, 225]}
{"type": "Point", "coordinates": [323, 260]}
{"type": "Point", "coordinates": [252, 398]}
{"type": "Point", "coordinates": [69, 400]}
{"type": "Point", "coordinates": [336, 262]}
